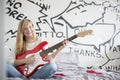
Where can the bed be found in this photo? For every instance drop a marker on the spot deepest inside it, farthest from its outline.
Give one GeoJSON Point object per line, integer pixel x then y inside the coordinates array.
{"type": "Point", "coordinates": [78, 73]}
{"type": "Point", "coordinates": [69, 70]}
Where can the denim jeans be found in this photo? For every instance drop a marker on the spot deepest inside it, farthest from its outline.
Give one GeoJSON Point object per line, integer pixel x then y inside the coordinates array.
{"type": "Point", "coordinates": [43, 73]}
{"type": "Point", "coordinates": [12, 72]}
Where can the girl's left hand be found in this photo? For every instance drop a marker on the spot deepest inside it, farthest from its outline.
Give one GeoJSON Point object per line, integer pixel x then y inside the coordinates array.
{"type": "Point", "coordinates": [65, 42]}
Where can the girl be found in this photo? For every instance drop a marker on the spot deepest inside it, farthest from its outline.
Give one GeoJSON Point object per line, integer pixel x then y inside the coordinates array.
{"type": "Point", "coordinates": [27, 40]}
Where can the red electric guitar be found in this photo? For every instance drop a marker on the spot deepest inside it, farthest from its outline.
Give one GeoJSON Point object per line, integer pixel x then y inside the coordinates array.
{"type": "Point", "coordinates": [40, 53]}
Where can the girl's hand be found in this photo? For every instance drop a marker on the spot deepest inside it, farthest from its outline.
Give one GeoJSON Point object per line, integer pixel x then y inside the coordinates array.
{"type": "Point", "coordinates": [30, 59]}
{"type": "Point", "coordinates": [65, 42]}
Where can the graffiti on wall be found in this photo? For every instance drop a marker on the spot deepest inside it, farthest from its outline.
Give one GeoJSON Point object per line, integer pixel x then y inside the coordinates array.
{"type": "Point", "coordinates": [56, 20]}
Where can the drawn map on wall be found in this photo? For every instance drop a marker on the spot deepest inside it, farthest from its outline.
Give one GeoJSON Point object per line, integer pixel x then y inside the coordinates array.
{"type": "Point", "coordinates": [56, 20]}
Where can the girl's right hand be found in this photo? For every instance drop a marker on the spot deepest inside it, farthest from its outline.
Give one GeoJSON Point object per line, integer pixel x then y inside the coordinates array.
{"type": "Point", "coordinates": [30, 59]}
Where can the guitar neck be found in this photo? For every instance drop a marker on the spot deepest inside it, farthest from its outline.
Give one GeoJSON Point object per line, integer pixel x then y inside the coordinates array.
{"type": "Point", "coordinates": [50, 49]}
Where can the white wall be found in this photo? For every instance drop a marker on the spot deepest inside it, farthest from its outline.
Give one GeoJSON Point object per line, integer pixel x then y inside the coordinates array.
{"type": "Point", "coordinates": [60, 19]}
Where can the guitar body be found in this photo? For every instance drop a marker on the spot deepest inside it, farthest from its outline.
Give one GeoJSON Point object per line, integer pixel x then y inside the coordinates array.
{"type": "Point", "coordinates": [28, 70]}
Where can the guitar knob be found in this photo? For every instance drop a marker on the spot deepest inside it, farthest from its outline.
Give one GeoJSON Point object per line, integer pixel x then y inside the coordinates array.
{"type": "Point", "coordinates": [25, 70]}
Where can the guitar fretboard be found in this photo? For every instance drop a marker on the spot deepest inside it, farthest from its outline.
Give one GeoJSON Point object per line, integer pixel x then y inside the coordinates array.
{"type": "Point", "coordinates": [50, 49]}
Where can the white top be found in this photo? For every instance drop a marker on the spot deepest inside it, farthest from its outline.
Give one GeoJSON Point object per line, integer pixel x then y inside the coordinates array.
{"type": "Point", "coordinates": [11, 57]}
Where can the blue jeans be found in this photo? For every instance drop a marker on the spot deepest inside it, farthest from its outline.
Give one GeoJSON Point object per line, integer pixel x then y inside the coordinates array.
{"type": "Point", "coordinates": [45, 72]}
{"type": "Point", "coordinates": [12, 72]}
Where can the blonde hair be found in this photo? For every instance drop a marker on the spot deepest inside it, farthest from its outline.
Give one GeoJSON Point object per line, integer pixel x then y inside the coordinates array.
{"type": "Point", "coordinates": [20, 38]}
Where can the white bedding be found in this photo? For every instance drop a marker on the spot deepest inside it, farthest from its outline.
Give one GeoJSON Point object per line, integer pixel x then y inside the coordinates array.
{"type": "Point", "coordinates": [68, 69]}
{"type": "Point", "coordinates": [79, 73]}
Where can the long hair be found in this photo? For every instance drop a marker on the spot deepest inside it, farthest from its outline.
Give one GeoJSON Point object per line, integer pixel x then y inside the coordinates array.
{"type": "Point", "coordinates": [20, 38]}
